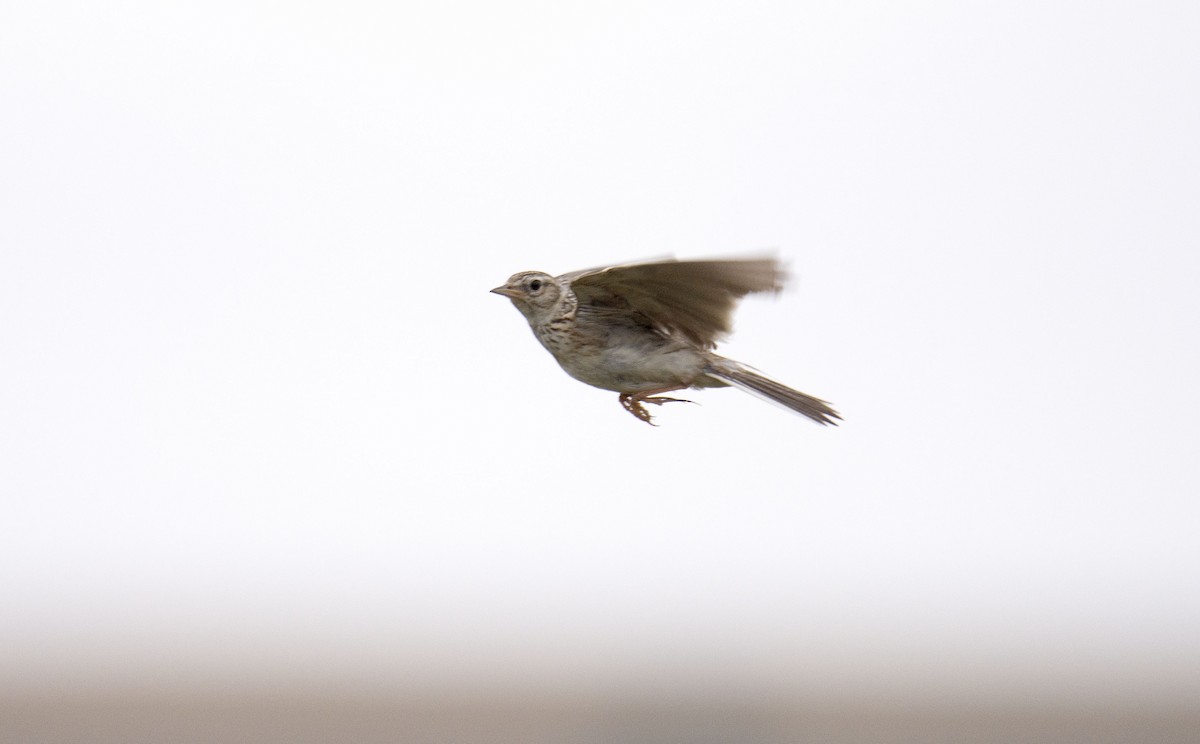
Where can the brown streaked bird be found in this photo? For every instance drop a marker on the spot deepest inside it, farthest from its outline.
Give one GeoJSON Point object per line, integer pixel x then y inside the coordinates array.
{"type": "Point", "coordinates": [644, 329]}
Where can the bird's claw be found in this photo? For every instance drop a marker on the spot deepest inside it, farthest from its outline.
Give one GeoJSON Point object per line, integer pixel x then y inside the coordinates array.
{"type": "Point", "coordinates": [632, 402]}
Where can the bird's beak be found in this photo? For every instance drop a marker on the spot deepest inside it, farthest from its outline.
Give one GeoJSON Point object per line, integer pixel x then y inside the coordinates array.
{"type": "Point", "coordinates": [505, 291]}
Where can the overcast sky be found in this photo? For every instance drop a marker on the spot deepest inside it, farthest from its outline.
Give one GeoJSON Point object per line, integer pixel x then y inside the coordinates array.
{"type": "Point", "coordinates": [262, 421]}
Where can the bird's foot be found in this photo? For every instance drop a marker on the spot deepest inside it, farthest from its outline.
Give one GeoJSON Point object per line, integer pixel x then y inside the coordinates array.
{"type": "Point", "coordinates": [660, 400]}
{"type": "Point", "coordinates": [632, 402]}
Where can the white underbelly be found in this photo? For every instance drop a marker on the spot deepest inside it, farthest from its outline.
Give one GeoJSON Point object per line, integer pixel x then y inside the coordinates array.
{"type": "Point", "coordinates": [632, 369]}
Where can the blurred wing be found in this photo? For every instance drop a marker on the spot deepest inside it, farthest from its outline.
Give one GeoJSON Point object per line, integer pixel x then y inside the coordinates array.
{"type": "Point", "coordinates": [692, 298]}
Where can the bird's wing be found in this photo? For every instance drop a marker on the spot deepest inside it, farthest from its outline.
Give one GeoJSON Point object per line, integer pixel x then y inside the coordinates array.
{"type": "Point", "coordinates": [694, 299]}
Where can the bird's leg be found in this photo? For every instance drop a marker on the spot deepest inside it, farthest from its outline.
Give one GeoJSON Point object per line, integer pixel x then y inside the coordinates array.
{"type": "Point", "coordinates": [634, 407]}
{"type": "Point", "coordinates": [632, 402]}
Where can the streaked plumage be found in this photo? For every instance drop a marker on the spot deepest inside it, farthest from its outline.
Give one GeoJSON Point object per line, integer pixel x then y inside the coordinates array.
{"type": "Point", "coordinates": [648, 328]}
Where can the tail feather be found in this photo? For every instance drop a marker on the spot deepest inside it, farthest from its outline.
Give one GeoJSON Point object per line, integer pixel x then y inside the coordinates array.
{"type": "Point", "coordinates": [753, 382]}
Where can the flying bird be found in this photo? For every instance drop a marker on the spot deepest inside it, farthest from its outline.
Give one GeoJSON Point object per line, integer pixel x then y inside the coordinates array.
{"type": "Point", "coordinates": [644, 329]}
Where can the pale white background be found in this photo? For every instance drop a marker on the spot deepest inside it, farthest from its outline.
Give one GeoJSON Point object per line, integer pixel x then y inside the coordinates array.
{"type": "Point", "coordinates": [262, 424]}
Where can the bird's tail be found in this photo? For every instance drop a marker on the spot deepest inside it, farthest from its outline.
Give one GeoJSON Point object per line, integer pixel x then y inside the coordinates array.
{"type": "Point", "coordinates": [755, 383]}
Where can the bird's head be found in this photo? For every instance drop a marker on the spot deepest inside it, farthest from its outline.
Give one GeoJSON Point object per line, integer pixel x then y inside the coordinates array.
{"type": "Point", "coordinates": [535, 294]}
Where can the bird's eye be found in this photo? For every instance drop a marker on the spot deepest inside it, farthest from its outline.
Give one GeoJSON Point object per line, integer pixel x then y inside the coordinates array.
{"type": "Point", "coordinates": [535, 285]}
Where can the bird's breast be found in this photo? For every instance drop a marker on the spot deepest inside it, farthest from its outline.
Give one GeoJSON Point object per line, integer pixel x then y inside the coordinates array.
{"type": "Point", "coordinates": [624, 359]}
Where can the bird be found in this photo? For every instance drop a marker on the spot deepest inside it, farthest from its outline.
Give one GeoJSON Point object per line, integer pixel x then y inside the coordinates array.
{"type": "Point", "coordinates": [648, 328]}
